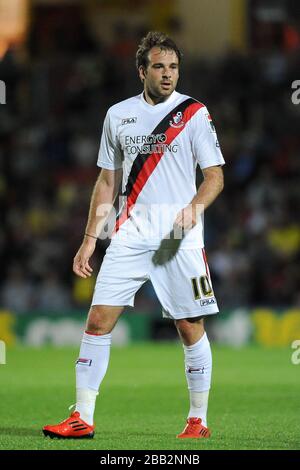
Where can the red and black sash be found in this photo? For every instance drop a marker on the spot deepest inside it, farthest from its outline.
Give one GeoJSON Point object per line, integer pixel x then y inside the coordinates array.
{"type": "Point", "coordinates": [145, 163]}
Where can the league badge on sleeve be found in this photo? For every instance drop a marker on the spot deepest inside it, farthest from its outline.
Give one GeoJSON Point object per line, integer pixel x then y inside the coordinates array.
{"type": "Point", "coordinates": [210, 123]}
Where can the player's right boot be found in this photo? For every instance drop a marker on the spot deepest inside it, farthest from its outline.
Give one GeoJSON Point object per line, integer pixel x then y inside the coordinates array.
{"type": "Point", "coordinates": [194, 429]}
{"type": "Point", "coordinates": [71, 428]}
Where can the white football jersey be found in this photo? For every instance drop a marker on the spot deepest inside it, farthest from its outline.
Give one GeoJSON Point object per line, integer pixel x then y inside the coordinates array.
{"type": "Point", "coordinates": [158, 148]}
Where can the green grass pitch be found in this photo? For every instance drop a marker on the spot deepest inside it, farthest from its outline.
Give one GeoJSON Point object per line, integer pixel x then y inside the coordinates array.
{"type": "Point", "coordinates": [143, 401]}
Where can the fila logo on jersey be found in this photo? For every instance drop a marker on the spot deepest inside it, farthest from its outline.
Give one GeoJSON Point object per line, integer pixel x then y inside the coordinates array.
{"type": "Point", "coordinates": [176, 120]}
{"type": "Point", "coordinates": [131, 120]}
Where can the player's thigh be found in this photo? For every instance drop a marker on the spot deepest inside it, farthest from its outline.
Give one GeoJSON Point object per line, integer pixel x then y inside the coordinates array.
{"type": "Point", "coordinates": [102, 318]}
{"type": "Point", "coordinates": [122, 273]}
{"type": "Point", "coordinates": [183, 285]}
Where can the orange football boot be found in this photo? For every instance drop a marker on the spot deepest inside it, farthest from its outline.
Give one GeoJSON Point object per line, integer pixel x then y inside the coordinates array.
{"type": "Point", "coordinates": [194, 429]}
{"type": "Point", "coordinates": [70, 428]}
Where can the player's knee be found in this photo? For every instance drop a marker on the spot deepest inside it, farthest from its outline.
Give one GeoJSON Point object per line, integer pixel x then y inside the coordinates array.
{"type": "Point", "coordinates": [97, 328]}
{"type": "Point", "coordinates": [189, 330]}
{"type": "Point", "coordinates": [102, 319]}
{"type": "Point", "coordinates": [97, 324]}
{"type": "Point", "coordinates": [189, 324]}
{"type": "Point", "coordinates": [183, 326]}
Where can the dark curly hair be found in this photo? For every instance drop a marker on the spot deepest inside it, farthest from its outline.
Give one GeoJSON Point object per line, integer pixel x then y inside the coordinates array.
{"type": "Point", "coordinates": [154, 38]}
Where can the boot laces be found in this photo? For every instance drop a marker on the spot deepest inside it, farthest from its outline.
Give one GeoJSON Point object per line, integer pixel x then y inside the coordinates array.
{"type": "Point", "coordinates": [191, 426]}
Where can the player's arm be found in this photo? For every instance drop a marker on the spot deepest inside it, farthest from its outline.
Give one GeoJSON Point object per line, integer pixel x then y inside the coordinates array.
{"type": "Point", "coordinates": [209, 189]}
{"type": "Point", "coordinates": [103, 197]}
{"type": "Point", "coordinates": [211, 186]}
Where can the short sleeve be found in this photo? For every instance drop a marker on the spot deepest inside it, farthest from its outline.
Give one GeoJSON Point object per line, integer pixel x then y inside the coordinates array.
{"type": "Point", "coordinates": [205, 144]}
{"type": "Point", "coordinates": [110, 153]}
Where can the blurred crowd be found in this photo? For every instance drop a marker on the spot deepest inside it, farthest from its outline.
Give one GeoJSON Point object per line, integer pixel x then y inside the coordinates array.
{"type": "Point", "coordinates": [50, 128]}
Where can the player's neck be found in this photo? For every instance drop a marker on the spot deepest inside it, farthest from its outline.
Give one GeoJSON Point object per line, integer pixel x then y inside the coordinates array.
{"type": "Point", "coordinates": [153, 100]}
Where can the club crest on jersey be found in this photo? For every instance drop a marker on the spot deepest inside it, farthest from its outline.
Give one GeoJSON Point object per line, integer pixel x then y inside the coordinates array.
{"type": "Point", "coordinates": [177, 120]}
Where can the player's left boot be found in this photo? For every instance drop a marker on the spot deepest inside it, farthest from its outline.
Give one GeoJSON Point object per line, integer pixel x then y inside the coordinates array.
{"type": "Point", "coordinates": [70, 428]}
{"type": "Point", "coordinates": [194, 429]}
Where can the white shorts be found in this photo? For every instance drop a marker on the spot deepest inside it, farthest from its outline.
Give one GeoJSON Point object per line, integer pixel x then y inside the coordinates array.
{"type": "Point", "coordinates": [180, 279]}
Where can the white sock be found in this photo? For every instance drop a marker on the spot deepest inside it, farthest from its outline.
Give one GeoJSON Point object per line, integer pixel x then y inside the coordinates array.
{"type": "Point", "coordinates": [198, 405]}
{"type": "Point", "coordinates": [198, 367]}
{"type": "Point", "coordinates": [85, 404]}
{"type": "Point", "coordinates": [91, 368]}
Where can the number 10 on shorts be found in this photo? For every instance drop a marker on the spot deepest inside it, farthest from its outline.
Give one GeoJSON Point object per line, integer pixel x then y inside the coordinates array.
{"type": "Point", "coordinates": [201, 287]}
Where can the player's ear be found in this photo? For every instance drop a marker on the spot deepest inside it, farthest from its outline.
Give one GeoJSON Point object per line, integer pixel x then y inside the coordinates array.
{"type": "Point", "coordinates": [142, 73]}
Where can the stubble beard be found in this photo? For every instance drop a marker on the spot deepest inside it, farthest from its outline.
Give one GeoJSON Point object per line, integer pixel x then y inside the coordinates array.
{"type": "Point", "coordinates": [158, 94]}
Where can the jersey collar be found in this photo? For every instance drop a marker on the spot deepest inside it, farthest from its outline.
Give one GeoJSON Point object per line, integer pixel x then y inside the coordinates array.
{"type": "Point", "coordinates": [159, 106]}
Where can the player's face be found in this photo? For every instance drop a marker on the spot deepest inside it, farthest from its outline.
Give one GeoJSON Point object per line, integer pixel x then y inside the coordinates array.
{"type": "Point", "coordinates": [162, 73]}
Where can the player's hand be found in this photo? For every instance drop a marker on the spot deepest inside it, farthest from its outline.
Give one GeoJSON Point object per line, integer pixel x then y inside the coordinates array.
{"type": "Point", "coordinates": [81, 265]}
{"type": "Point", "coordinates": [186, 218]}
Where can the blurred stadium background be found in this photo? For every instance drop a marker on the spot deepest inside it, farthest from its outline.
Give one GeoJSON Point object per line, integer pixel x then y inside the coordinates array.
{"type": "Point", "coordinates": [64, 63]}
